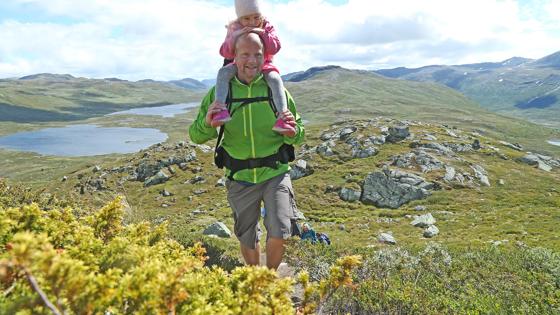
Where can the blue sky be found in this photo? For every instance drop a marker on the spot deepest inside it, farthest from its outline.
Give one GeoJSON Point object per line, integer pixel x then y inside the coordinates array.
{"type": "Point", "coordinates": [170, 39]}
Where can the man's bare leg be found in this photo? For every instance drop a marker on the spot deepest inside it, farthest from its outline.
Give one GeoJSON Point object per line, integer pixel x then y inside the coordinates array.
{"type": "Point", "coordinates": [252, 256]}
{"type": "Point", "coordinates": [274, 252]}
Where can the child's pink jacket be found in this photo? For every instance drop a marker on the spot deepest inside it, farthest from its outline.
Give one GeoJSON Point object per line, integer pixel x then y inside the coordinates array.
{"type": "Point", "coordinates": [271, 44]}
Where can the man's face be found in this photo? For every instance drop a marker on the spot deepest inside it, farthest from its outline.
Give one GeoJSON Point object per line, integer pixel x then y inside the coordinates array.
{"type": "Point", "coordinates": [248, 58]}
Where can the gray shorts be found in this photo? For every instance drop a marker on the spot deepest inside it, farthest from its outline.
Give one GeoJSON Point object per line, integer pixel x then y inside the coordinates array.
{"type": "Point", "coordinates": [279, 202]}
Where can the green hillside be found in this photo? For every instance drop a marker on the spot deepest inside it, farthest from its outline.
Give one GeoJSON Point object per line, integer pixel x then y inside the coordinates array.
{"type": "Point", "coordinates": [341, 93]}
{"type": "Point", "coordinates": [48, 97]}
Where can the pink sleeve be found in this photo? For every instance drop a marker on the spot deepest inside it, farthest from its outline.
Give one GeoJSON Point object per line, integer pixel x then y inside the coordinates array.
{"type": "Point", "coordinates": [228, 46]}
{"type": "Point", "coordinates": [270, 39]}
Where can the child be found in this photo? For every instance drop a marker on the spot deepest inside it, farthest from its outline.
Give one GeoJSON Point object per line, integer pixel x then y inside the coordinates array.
{"type": "Point", "coordinates": [249, 19]}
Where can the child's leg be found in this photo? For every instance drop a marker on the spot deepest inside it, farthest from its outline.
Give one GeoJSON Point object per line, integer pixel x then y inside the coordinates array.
{"type": "Point", "coordinates": [225, 74]}
{"type": "Point", "coordinates": [274, 81]}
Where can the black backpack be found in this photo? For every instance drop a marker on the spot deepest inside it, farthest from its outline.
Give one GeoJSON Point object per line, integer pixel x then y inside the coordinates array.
{"type": "Point", "coordinates": [285, 154]}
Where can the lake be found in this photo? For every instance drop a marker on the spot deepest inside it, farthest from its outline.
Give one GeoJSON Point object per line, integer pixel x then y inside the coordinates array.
{"type": "Point", "coordinates": [83, 140]}
{"type": "Point", "coordinates": [554, 142]}
{"type": "Point", "coordinates": [164, 111]}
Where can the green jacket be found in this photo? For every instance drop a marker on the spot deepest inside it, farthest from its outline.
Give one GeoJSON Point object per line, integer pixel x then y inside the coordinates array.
{"type": "Point", "coordinates": [249, 133]}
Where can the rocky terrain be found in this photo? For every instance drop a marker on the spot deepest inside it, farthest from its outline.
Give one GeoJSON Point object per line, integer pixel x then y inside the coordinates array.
{"type": "Point", "coordinates": [349, 178]}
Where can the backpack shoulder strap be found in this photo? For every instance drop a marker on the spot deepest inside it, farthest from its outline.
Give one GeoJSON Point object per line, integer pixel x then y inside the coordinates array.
{"type": "Point", "coordinates": [221, 132]}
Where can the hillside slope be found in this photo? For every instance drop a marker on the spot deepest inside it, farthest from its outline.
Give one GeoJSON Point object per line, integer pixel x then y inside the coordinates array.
{"type": "Point", "coordinates": [51, 97]}
{"type": "Point", "coordinates": [525, 88]}
{"type": "Point", "coordinates": [338, 93]}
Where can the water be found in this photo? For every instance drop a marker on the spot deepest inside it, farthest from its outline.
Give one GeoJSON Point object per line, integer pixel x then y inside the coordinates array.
{"type": "Point", "coordinates": [83, 140]}
{"type": "Point", "coordinates": [166, 111]}
{"type": "Point", "coordinates": [554, 142]}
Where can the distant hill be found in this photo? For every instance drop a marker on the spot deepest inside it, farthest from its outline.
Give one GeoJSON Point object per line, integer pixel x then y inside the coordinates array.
{"type": "Point", "coordinates": [62, 97]}
{"type": "Point", "coordinates": [522, 87]}
{"type": "Point", "coordinates": [189, 83]}
{"type": "Point", "coordinates": [337, 93]}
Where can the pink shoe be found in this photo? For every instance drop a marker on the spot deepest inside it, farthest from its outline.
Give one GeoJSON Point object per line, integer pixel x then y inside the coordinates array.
{"type": "Point", "coordinates": [220, 118]}
{"type": "Point", "coordinates": [284, 128]}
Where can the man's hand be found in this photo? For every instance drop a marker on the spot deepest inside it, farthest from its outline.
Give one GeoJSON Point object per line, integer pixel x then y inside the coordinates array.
{"type": "Point", "coordinates": [213, 109]}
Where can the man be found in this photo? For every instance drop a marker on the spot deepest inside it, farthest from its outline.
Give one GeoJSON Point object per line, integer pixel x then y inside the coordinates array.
{"type": "Point", "coordinates": [248, 135]}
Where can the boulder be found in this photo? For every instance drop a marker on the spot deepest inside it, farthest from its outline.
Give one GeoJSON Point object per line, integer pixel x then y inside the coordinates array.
{"type": "Point", "coordinates": [300, 169]}
{"type": "Point", "coordinates": [387, 238]}
{"type": "Point", "coordinates": [424, 220]}
{"type": "Point", "coordinates": [481, 174]}
{"type": "Point", "coordinates": [392, 189]}
{"type": "Point", "coordinates": [219, 229]}
{"type": "Point", "coordinates": [348, 194]}
{"type": "Point", "coordinates": [221, 182]}
{"type": "Point", "coordinates": [346, 132]}
{"type": "Point", "coordinates": [325, 148]}
{"type": "Point", "coordinates": [449, 173]}
{"type": "Point", "coordinates": [362, 153]}
{"type": "Point", "coordinates": [397, 133]}
{"type": "Point", "coordinates": [159, 178]}
{"type": "Point", "coordinates": [431, 231]}
{"type": "Point", "coordinates": [530, 159]}
{"type": "Point", "coordinates": [515, 146]}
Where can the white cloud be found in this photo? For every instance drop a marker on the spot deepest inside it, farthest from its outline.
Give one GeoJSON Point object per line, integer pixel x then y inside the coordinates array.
{"type": "Point", "coordinates": [170, 39]}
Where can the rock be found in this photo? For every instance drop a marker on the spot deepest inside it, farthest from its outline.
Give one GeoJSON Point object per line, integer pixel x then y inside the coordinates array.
{"type": "Point", "coordinates": [164, 205]}
{"type": "Point", "coordinates": [342, 227]}
{"type": "Point", "coordinates": [328, 136]}
{"type": "Point", "coordinates": [397, 133]}
{"type": "Point", "coordinates": [346, 132]}
{"type": "Point", "coordinates": [451, 133]}
{"type": "Point", "coordinates": [429, 137]}
{"type": "Point", "coordinates": [420, 208]}
{"type": "Point", "coordinates": [204, 148]}
{"type": "Point", "coordinates": [96, 168]}
{"type": "Point", "coordinates": [436, 147]}
{"type": "Point", "coordinates": [219, 229]}
{"type": "Point", "coordinates": [197, 180]}
{"type": "Point", "coordinates": [501, 182]}
{"type": "Point", "coordinates": [476, 144]}
{"type": "Point", "coordinates": [392, 189]}
{"type": "Point", "coordinates": [64, 178]}
{"type": "Point", "coordinates": [325, 148]}
{"type": "Point", "coordinates": [199, 191]}
{"type": "Point", "coordinates": [544, 167]}
{"type": "Point", "coordinates": [424, 220]}
{"type": "Point", "coordinates": [330, 189]}
{"type": "Point", "coordinates": [387, 238]}
{"type": "Point", "coordinates": [530, 159]}
{"type": "Point", "coordinates": [183, 166]}
{"type": "Point", "coordinates": [515, 146]}
{"type": "Point", "coordinates": [159, 178]}
{"type": "Point", "coordinates": [449, 173]}
{"type": "Point", "coordinates": [378, 140]}
{"type": "Point", "coordinates": [166, 193]}
{"type": "Point", "coordinates": [481, 174]}
{"type": "Point", "coordinates": [221, 182]}
{"type": "Point", "coordinates": [350, 195]}
{"type": "Point", "coordinates": [300, 169]}
{"type": "Point", "coordinates": [362, 153]}
{"type": "Point", "coordinates": [431, 231]}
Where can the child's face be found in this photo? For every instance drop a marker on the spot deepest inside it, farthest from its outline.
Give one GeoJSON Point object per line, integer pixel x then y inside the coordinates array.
{"type": "Point", "coordinates": [251, 20]}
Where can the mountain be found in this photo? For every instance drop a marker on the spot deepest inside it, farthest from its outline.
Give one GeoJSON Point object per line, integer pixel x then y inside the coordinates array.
{"type": "Point", "coordinates": [304, 75]}
{"type": "Point", "coordinates": [552, 61]}
{"type": "Point", "coordinates": [525, 88]}
{"type": "Point", "coordinates": [189, 83]}
{"type": "Point", "coordinates": [61, 97]}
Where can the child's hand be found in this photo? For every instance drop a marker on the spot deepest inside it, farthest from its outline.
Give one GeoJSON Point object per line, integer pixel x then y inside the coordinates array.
{"type": "Point", "coordinates": [257, 30]}
{"type": "Point", "coordinates": [242, 31]}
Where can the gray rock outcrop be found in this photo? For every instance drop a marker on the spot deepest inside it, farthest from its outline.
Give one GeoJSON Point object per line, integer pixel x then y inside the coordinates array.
{"type": "Point", "coordinates": [397, 133]}
{"type": "Point", "coordinates": [159, 178]}
{"type": "Point", "coordinates": [300, 169]}
{"type": "Point", "coordinates": [219, 229]}
{"type": "Point", "coordinates": [348, 194]}
{"type": "Point", "coordinates": [431, 231]}
{"type": "Point", "coordinates": [424, 220]}
{"type": "Point", "coordinates": [392, 189]}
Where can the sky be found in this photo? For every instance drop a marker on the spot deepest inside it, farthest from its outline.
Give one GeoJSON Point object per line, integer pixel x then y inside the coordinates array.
{"type": "Point", "coordinates": [174, 39]}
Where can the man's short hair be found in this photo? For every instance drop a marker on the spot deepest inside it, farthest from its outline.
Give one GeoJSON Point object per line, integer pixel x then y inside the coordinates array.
{"type": "Point", "coordinates": [249, 36]}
